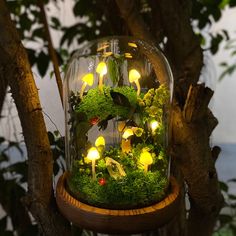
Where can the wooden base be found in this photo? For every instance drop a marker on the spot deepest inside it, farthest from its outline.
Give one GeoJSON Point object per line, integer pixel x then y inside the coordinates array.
{"type": "Point", "coordinates": [117, 221]}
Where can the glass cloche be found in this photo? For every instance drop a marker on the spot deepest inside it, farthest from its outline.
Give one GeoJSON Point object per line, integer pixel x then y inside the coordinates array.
{"type": "Point", "coordinates": [117, 96]}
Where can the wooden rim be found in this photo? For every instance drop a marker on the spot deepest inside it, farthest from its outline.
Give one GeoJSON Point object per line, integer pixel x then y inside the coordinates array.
{"type": "Point", "coordinates": [117, 221]}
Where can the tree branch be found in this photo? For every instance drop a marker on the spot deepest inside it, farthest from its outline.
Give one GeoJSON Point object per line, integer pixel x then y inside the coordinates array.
{"type": "Point", "coordinates": [17, 69]}
{"type": "Point", "coordinates": [134, 20]}
{"type": "Point", "coordinates": [183, 47]}
{"type": "Point", "coordinates": [51, 50]}
{"type": "Point", "coordinates": [140, 30]}
{"type": "Point", "coordinates": [191, 139]}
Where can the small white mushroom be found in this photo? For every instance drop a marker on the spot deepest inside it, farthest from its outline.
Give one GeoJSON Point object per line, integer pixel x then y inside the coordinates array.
{"type": "Point", "coordinates": [126, 142]}
{"type": "Point", "coordinates": [93, 155]}
{"type": "Point", "coordinates": [101, 70]}
{"type": "Point", "coordinates": [145, 159]}
{"type": "Point", "coordinates": [87, 80]}
{"type": "Point", "coordinates": [134, 76]}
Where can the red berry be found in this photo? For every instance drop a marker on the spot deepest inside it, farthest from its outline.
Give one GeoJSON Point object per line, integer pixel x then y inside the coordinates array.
{"type": "Point", "coordinates": [102, 181]}
{"type": "Point", "coordinates": [94, 120]}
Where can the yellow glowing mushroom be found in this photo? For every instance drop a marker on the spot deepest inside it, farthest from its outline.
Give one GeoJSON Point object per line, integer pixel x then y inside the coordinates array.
{"type": "Point", "coordinates": [101, 70]}
{"type": "Point", "coordinates": [88, 80]}
{"type": "Point", "coordinates": [93, 155]}
{"type": "Point", "coordinates": [134, 45]}
{"type": "Point", "coordinates": [145, 159]}
{"type": "Point", "coordinates": [126, 142]}
{"type": "Point", "coordinates": [134, 76]}
{"type": "Point", "coordinates": [127, 133]}
{"type": "Point", "coordinates": [154, 125]}
{"type": "Point", "coordinates": [100, 144]}
{"type": "Point", "coordinates": [100, 141]}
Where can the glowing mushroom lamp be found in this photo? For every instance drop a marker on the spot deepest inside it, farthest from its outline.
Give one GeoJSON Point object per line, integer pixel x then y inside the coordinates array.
{"type": "Point", "coordinates": [87, 80]}
{"type": "Point", "coordinates": [101, 70]}
{"type": "Point", "coordinates": [154, 124]}
{"type": "Point", "coordinates": [93, 155]}
{"type": "Point", "coordinates": [126, 142]}
{"type": "Point", "coordinates": [134, 76]}
{"type": "Point", "coordinates": [145, 159]}
{"type": "Point", "coordinates": [100, 143]}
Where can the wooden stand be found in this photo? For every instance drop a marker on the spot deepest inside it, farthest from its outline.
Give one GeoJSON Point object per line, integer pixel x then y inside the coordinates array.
{"type": "Point", "coordinates": [117, 221]}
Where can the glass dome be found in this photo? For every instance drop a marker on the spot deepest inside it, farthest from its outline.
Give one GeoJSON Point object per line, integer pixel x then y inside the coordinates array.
{"type": "Point", "coordinates": [117, 96]}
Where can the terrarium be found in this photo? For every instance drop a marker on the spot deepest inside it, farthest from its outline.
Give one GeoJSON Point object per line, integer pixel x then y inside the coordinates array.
{"type": "Point", "coordinates": [117, 99]}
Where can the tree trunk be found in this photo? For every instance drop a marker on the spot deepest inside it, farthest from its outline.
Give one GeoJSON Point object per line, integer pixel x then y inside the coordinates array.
{"type": "Point", "coordinates": [15, 67]}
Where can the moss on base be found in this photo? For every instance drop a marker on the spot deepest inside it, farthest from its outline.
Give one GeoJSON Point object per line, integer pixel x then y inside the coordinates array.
{"type": "Point", "coordinates": [137, 189]}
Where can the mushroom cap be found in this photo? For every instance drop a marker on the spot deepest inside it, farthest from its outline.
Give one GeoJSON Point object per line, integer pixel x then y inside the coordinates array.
{"type": "Point", "coordinates": [154, 124]}
{"type": "Point", "coordinates": [88, 78]}
{"type": "Point", "coordinates": [134, 75]}
{"type": "Point", "coordinates": [93, 154]}
{"type": "Point", "coordinates": [101, 68]}
{"type": "Point", "coordinates": [100, 141]}
{"type": "Point", "coordinates": [127, 133]}
{"type": "Point", "coordinates": [146, 158]}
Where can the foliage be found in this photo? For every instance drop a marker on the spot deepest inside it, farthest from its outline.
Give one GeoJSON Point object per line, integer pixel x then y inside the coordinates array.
{"type": "Point", "coordinates": [13, 183]}
{"type": "Point", "coordinates": [104, 21]}
{"type": "Point", "coordinates": [229, 69]}
{"type": "Point", "coordinates": [226, 225]}
{"type": "Point", "coordinates": [13, 178]}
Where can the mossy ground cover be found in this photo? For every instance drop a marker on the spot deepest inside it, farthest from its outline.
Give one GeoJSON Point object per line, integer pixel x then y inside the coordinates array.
{"type": "Point", "coordinates": [136, 189]}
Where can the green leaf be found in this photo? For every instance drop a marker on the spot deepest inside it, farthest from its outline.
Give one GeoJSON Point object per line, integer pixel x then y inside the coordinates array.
{"type": "Point", "coordinates": [120, 99]}
{"type": "Point", "coordinates": [225, 219]}
{"type": "Point", "coordinates": [19, 168]}
{"type": "Point", "coordinates": [224, 187]}
{"type": "Point", "coordinates": [3, 157]}
{"type": "Point", "coordinates": [25, 22]}
{"type": "Point", "coordinates": [42, 63]}
{"type": "Point", "coordinates": [232, 180]}
{"type": "Point", "coordinates": [2, 139]}
{"type": "Point", "coordinates": [3, 224]}
{"type": "Point", "coordinates": [228, 71]}
{"type": "Point", "coordinates": [103, 124]}
{"type": "Point", "coordinates": [215, 41]}
{"type": "Point", "coordinates": [223, 4]}
{"type": "Point", "coordinates": [232, 197]}
{"type": "Point", "coordinates": [55, 23]}
{"type": "Point", "coordinates": [31, 56]}
{"type": "Point", "coordinates": [51, 138]}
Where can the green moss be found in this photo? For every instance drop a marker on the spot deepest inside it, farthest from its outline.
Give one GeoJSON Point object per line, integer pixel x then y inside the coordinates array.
{"type": "Point", "coordinates": [136, 189]}
{"type": "Point", "coordinates": [101, 105]}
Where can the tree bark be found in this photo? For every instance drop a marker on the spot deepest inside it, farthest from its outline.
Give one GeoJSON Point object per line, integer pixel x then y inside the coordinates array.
{"type": "Point", "coordinates": [14, 66]}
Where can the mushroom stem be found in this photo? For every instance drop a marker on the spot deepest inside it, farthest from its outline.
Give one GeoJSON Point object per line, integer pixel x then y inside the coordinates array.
{"type": "Point", "coordinates": [126, 145]}
{"type": "Point", "coordinates": [93, 169]}
{"type": "Point", "coordinates": [145, 168]}
{"type": "Point", "coordinates": [100, 85]}
{"type": "Point", "coordinates": [82, 89]}
{"type": "Point", "coordinates": [138, 87]}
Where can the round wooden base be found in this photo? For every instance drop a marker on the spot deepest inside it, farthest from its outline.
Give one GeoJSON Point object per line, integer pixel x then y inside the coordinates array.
{"type": "Point", "coordinates": [117, 221]}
